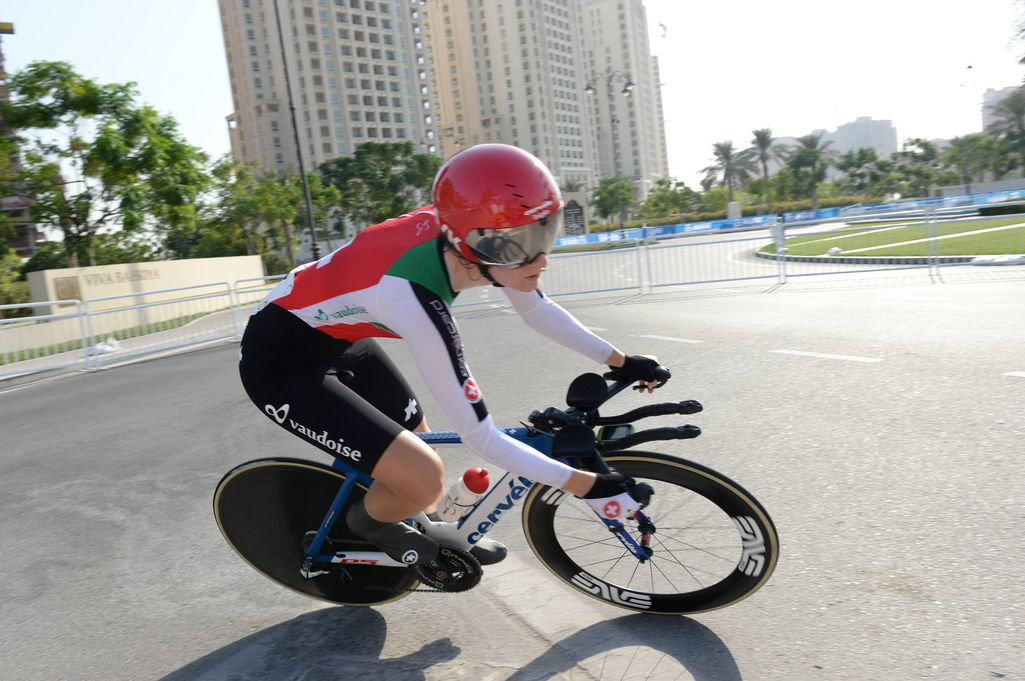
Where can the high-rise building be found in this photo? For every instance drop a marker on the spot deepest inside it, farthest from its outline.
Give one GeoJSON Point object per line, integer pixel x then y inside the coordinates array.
{"type": "Point", "coordinates": [864, 132]}
{"type": "Point", "coordinates": [512, 72]}
{"type": "Point", "coordinates": [626, 112]}
{"type": "Point", "coordinates": [358, 71]}
{"type": "Point", "coordinates": [550, 76]}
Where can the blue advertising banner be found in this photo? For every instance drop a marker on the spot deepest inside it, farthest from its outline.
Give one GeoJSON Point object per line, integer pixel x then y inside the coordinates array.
{"type": "Point", "coordinates": [639, 233]}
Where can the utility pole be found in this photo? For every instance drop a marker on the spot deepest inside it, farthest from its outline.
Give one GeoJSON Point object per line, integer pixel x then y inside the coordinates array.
{"type": "Point", "coordinates": [628, 85]}
{"type": "Point", "coordinates": [314, 248]}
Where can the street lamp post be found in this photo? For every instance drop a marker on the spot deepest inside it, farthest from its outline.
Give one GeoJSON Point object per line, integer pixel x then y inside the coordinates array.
{"type": "Point", "coordinates": [628, 85]}
{"type": "Point", "coordinates": [314, 248]}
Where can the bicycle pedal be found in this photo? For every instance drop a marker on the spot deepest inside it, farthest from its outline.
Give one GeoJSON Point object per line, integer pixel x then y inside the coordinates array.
{"type": "Point", "coordinates": [454, 570]}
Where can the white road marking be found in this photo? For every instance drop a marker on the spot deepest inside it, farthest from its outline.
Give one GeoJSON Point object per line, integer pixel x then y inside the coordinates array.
{"type": "Point", "coordinates": [596, 329]}
{"type": "Point", "coordinates": [822, 355]}
{"type": "Point", "coordinates": [1017, 374]}
{"type": "Point", "coordinates": [956, 235]}
{"type": "Point", "coordinates": [668, 338]}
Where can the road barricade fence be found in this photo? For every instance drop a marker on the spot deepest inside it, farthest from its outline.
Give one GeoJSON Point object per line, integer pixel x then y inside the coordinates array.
{"type": "Point", "coordinates": [101, 331]}
{"type": "Point", "coordinates": [98, 332]}
{"type": "Point", "coordinates": [908, 208]}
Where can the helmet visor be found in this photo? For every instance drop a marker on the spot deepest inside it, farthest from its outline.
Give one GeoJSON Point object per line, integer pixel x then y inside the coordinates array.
{"type": "Point", "coordinates": [516, 246]}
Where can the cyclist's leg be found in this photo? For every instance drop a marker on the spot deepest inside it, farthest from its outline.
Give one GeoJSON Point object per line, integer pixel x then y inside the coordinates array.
{"type": "Point", "coordinates": [370, 372]}
{"type": "Point", "coordinates": [311, 402]}
{"type": "Point", "coordinates": [408, 470]}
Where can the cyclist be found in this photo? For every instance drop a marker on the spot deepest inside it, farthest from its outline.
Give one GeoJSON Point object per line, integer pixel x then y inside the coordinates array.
{"type": "Point", "coordinates": [310, 362]}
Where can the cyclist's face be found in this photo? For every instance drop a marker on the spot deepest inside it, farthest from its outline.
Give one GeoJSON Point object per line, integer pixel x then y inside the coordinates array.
{"type": "Point", "coordinates": [525, 278]}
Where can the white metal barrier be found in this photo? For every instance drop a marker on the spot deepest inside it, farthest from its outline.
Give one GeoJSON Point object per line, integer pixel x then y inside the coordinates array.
{"type": "Point", "coordinates": [88, 335]}
{"type": "Point", "coordinates": [46, 341]}
{"type": "Point", "coordinates": [101, 331]}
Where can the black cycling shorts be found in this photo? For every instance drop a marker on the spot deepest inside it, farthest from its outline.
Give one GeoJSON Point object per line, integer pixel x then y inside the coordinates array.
{"type": "Point", "coordinates": [347, 399]}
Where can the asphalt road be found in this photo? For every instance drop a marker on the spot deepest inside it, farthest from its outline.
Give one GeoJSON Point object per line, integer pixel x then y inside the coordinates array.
{"type": "Point", "coordinates": [881, 425]}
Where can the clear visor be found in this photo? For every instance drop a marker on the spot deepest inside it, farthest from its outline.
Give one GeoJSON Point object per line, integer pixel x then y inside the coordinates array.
{"type": "Point", "coordinates": [517, 246]}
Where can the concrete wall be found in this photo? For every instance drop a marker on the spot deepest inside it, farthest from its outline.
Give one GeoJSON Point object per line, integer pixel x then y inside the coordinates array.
{"type": "Point", "coordinates": [143, 288]}
{"type": "Point", "coordinates": [102, 281]}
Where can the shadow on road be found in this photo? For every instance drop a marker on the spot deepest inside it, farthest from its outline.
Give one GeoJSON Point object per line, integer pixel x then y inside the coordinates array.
{"type": "Point", "coordinates": [333, 643]}
{"type": "Point", "coordinates": [637, 647]}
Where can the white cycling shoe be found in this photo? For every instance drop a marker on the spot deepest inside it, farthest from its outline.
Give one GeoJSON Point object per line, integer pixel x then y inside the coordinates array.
{"type": "Point", "coordinates": [486, 551]}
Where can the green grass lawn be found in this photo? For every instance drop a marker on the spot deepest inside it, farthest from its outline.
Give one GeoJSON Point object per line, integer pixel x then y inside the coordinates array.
{"type": "Point", "coordinates": [877, 238]}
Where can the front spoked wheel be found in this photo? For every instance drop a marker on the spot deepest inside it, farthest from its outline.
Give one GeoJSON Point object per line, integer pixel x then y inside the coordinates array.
{"type": "Point", "coordinates": [266, 510]}
{"type": "Point", "coordinates": [713, 543]}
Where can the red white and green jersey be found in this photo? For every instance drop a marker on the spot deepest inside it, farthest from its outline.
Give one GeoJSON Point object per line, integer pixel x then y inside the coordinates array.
{"type": "Point", "coordinates": [391, 282]}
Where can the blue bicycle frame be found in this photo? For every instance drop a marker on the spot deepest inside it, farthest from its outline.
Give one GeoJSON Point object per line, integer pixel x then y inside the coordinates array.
{"type": "Point", "coordinates": [503, 495]}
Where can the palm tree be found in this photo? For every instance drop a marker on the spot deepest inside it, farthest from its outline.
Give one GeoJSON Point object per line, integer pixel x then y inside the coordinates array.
{"type": "Point", "coordinates": [809, 161]}
{"type": "Point", "coordinates": [731, 169]}
{"type": "Point", "coordinates": [1009, 123]}
{"type": "Point", "coordinates": [763, 148]}
{"type": "Point", "coordinates": [966, 155]}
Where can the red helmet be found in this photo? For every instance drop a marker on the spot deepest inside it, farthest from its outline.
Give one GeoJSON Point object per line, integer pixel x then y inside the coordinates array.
{"type": "Point", "coordinates": [498, 205]}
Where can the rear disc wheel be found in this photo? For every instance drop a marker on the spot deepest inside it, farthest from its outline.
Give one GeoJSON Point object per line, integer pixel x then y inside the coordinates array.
{"type": "Point", "coordinates": [265, 509]}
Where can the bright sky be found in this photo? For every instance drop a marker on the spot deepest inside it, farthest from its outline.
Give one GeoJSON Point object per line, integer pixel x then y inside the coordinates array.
{"type": "Point", "coordinates": [727, 67]}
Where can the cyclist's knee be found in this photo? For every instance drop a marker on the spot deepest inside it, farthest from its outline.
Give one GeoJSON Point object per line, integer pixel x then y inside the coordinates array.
{"type": "Point", "coordinates": [411, 470]}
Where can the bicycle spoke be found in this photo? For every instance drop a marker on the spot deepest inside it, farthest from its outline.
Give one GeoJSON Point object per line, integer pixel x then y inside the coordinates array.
{"type": "Point", "coordinates": [696, 546]}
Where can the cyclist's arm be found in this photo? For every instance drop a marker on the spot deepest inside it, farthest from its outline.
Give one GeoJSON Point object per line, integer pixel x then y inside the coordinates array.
{"type": "Point", "coordinates": [424, 321]}
{"type": "Point", "coordinates": [551, 320]}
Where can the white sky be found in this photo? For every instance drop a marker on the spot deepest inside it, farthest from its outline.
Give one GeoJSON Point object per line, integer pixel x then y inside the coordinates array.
{"type": "Point", "coordinates": [727, 67]}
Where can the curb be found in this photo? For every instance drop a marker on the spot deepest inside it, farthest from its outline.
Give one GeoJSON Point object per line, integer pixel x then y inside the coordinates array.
{"type": "Point", "coordinates": [871, 260]}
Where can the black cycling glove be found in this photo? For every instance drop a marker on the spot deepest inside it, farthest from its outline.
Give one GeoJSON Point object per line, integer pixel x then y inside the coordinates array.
{"type": "Point", "coordinates": [640, 368]}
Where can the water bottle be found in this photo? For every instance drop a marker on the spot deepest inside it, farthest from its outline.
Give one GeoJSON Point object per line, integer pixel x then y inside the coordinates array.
{"type": "Point", "coordinates": [463, 494]}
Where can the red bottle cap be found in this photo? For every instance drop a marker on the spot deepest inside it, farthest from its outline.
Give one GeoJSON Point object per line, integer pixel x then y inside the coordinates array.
{"type": "Point", "coordinates": [477, 480]}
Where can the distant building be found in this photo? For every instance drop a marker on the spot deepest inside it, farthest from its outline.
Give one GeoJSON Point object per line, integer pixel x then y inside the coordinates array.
{"type": "Point", "coordinates": [549, 77]}
{"type": "Point", "coordinates": [865, 132]}
{"type": "Point", "coordinates": [862, 132]}
{"type": "Point", "coordinates": [616, 42]}
{"type": "Point", "coordinates": [27, 238]}
{"type": "Point", "coordinates": [358, 73]}
{"type": "Point", "coordinates": [512, 73]}
{"type": "Point", "coordinates": [989, 100]}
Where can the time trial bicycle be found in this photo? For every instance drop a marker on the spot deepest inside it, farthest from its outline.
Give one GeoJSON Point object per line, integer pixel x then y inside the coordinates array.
{"type": "Point", "coordinates": [700, 541]}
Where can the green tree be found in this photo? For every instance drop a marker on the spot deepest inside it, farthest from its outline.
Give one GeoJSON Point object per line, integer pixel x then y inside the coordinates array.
{"type": "Point", "coordinates": [730, 170]}
{"type": "Point", "coordinates": [381, 180]}
{"type": "Point", "coordinates": [278, 200]}
{"type": "Point", "coordinates": [967, 157]}
{"type": "Point", "coordinates": [8, 185]}
{"type": "Point", "coordinates": [1009, 124]}
{"type": "Point", "coordinates": [613, 196]}
{"type": "Point", "coordinates": [714, 200]}
{"type": "Point", "coordinates": [109, 248]}
{"type": "Point", "coordinates": [917, 167]}
{"type": "Point", "coordinates": [809, 160]}
{"type": "Point", "coordinates": [231, 216]}
{"type": "Point", "coordinates": [861, 170]}
{"type": "Point", "coordinates": [94, 160]}
{"type": "Point", "coordinates": [13, 288]}
{"type": "Point", "coordinates": [327, 201]}
{"type": "Point", "coordinates": [669, 197]}
{"type": "Point", "coordinates": [764, 149]}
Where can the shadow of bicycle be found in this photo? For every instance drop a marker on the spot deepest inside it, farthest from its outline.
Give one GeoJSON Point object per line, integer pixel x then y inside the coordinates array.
{"type": "Point", "coordinates": [333, 643]}
{"type": "Point", "coordinates": [638, 647]}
